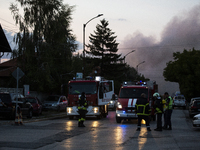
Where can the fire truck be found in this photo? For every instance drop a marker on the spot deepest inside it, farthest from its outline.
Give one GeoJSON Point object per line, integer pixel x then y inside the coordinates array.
{"type": "Point", "coordinates": [98, 94]}
{"type": "Point", "coordinates": [128, 96]}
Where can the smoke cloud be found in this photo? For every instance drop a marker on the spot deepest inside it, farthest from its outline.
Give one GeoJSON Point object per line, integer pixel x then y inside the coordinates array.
{"type": "Point", "coordinates": [182, 32]}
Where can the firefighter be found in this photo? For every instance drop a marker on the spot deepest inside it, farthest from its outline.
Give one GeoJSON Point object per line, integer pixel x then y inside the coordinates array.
{"type": "Point", "coordinates": [143, 111]}
{"type": "Point", "coordinates": [168, 112]}
{"type": "Point", "coordinates": [158, 106]}
{"type": "Point", "coordinates": [82, 109]}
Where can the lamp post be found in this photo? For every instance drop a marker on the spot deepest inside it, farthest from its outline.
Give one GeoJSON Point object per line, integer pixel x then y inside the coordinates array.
{"type": "Point", "coordinates": [140, 64]}
{"type": "Point", "coordinates": [84, 25]}
{"type": "Point", "coordinates": [127, 54]}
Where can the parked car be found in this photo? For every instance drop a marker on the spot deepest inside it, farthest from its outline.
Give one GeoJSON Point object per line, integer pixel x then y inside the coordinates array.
{"type": "Point", "coordinates": [8, 104]}
{"type": "Point", "coordinates": [113, 102]}
{"type": "Point", "coordinates": [194, 108]}
{"type": "Point", "coordinates": [179, 101]}
{"type": "Point", "coordinates": [196, 121]}
{"type": "Point", "coordinates": [192, 99]}
{"type": "Point", "coordinates": [36, 103]}
{"type": "Point", "coordinates": [55, 102]}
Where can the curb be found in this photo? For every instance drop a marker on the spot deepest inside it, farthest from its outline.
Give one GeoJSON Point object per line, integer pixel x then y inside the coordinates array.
{"type": "Point", "coordinates": [53, 116]}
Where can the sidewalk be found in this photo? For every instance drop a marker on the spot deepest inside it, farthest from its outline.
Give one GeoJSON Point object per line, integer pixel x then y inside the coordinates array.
{"type": "Point", "coordinates": [46, 115]}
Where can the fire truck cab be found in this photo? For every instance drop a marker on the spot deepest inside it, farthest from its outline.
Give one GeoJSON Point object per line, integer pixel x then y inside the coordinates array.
{"type": "Point", "coordinates": [98, 94]}
{"type": "Point", "coordinates": [128, 96]}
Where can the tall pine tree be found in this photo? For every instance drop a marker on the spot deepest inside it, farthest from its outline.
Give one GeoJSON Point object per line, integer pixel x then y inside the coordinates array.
{"type": "Point", "coordinates": [102, 49]}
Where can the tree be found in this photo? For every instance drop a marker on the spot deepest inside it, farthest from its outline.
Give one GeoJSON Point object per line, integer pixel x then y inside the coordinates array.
{"type": "Point", "coordinates": [103, 51]}
{"type": "Point", "coordinates": [45, 42]}
{"type": "Point", "coordinates": [185, 71]}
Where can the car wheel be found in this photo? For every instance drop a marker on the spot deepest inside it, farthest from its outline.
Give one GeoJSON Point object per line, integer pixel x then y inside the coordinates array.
{"type": "Point", "coordinates": [30, 114]}
{"type": "Point", "coordinates": [58, 109]}
{"type": "Point", "coordinates": [118, 120]}
{"type": "Point", "coordinates": [194, 125]}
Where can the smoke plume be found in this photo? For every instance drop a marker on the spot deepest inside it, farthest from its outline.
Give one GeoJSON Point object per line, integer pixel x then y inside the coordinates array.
{"type": "Point", "coordinates": [182, 32]}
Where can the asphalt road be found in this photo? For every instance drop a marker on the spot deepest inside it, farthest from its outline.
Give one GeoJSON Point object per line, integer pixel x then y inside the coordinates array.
{"type": "Point", "coordinates": [62, 133]}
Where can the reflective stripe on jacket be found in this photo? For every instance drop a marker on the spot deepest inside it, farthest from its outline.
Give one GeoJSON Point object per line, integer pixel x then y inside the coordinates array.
{"type": "Point", "coordinates": [158, 105]}
{"type": "Point", "coordinates": [170, 102]}
{"type": "Point", "coordinates": [142, 107]}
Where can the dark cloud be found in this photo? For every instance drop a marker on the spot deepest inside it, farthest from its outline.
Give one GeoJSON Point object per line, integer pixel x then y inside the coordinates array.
{"type": "Point", "coordinates": [182, 32]}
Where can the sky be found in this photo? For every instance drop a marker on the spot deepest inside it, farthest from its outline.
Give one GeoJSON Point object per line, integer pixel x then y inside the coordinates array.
{"type": "Point", "coordinates": [153, 28]}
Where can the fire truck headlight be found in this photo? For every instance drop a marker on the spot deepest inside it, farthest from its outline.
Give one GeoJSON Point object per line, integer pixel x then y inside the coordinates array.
{"type": "Point", "coordinates": [96, 109]}
{"type": "Point", "coordinates": [69, 110]}
{"type": "Point", "coordinates": [119, 106]}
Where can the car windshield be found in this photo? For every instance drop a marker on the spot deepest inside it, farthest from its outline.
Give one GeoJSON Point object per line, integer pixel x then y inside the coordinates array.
{"type": "Point", "coordinates": [31, 100]}
{"type": "Point", "coordinates": [5, 97]}
{"type": "Point", "coordinates": [132, 92]}
{"type": "Point", "coordinates": [78, 88]}
{"type": "Point", "coordinates": [197, 104]}
{"type": "Point", "coordinates": [53, 98]}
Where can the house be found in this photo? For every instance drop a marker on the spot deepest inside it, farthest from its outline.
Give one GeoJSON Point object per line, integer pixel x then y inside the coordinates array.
{"type": "Point", "coordinates": [8, 67]}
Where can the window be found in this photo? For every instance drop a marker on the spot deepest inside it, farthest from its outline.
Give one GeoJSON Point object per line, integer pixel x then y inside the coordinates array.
{"type": "Point", "coordinates": [132, 92]}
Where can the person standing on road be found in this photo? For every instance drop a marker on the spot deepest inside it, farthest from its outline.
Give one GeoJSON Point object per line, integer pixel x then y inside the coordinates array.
{"type": "Point", "coordinates": [82, 109]}
{"type": "Point", "coordinates": [158, 106]}
{"type": "Point", "coordinates": [143, 110]}
{"type": "Point", "coordinates": [168, 111]}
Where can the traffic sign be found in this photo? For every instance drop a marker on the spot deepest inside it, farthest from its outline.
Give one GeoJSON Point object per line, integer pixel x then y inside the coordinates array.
{"type": "Point", "coordinates": [18, 73]}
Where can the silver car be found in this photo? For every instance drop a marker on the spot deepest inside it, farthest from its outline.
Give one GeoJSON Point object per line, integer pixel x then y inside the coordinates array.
{"type": "Point", "coordinates": [179, 101]}
{"type": "Point", "coordinates": [55, 102]}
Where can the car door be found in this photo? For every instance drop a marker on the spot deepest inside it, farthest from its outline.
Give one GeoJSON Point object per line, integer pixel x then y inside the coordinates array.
{"type": "Point", "coordinates": [24, 107]}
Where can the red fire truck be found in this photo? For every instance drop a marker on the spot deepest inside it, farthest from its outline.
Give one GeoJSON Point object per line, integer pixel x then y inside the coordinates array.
{"type": "Point", "coordinates": [98, 94]}
{"type": "Point", "coordinates": [128, 96]}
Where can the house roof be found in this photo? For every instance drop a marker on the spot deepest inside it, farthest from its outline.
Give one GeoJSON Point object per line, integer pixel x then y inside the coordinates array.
{"type": "Point", "coordinates": [6, 68]}
{"type": "Point", "coordinates": [4, 45]}
{"type": "Point", "coordinates": [7, 72]}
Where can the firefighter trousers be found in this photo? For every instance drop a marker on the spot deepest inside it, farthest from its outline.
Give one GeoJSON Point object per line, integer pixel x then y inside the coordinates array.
{"type": "Point", "coordinates": [168, 118]}
{"type": "Point", "coordinates": [159, 120]}
{"type": "Point", "coordinates": [146, 118]}
{"type": "Point", "coordinates": [82, 115]}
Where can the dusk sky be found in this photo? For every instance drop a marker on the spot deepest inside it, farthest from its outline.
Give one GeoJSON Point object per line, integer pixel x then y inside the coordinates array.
{"type": "Point", "coordinates": [153, 28]}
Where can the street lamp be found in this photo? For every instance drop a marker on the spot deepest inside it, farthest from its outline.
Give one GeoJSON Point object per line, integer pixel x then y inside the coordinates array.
{"type": "Point", "coordinates": [140, 64]}
{"type": "Point", "coordinates": [127, 54]}
{"type": "Point", "coordinates": [84, 25]}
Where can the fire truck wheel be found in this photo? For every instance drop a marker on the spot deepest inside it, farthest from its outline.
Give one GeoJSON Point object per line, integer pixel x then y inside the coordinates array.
{"type": "Point", "coordinates": [118, 120]}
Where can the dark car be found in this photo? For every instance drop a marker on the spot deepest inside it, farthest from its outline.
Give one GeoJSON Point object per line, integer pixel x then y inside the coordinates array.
{"type": "Point", "coordinates": [55, 102]}
{"type": "Point", "coordinates": [36, 103]}
{"type": "Point", "coordinates": [194, 108]}
{"type": "Point", "coordinates": [8, 104]}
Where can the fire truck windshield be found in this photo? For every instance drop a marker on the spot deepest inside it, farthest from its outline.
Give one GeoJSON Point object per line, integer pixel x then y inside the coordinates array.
{"type": "Point", "coordinates": [132, 92]}
{"type": "Point", "coordinates": [78, 88]}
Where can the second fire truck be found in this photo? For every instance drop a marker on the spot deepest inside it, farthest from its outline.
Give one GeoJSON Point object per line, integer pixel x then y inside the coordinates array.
{"type": "Point", "coordinates": [128, 96]}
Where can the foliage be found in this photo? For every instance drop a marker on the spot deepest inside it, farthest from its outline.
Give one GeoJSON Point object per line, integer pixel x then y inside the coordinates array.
{"type": "Point", "coordinates": [103, 51]}
{"type": "Point", "coordinates": [103, 57]}
{"type": "Point", "coordinates": [185, 71]}
{"type": "Point", "coordinates": [45, 43]}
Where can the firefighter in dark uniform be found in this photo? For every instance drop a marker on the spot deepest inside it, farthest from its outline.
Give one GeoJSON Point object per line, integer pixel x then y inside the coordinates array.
{"type": "Point", "coordinates": [82, 109]}
{"type": "Point", "coordinates": [158, 106]}
{"type": "Point", "coordinates": [143, 111]}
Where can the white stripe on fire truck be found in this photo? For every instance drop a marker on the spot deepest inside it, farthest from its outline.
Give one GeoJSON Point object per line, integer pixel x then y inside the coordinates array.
{"type": "Point", "coordinates": [130, 102]}
{"type": "Point", "coordinates": [134, 102]}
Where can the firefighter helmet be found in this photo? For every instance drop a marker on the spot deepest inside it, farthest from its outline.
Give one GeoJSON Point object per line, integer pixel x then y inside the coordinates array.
{"type": "Point", "coordinates": [156, 95]}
